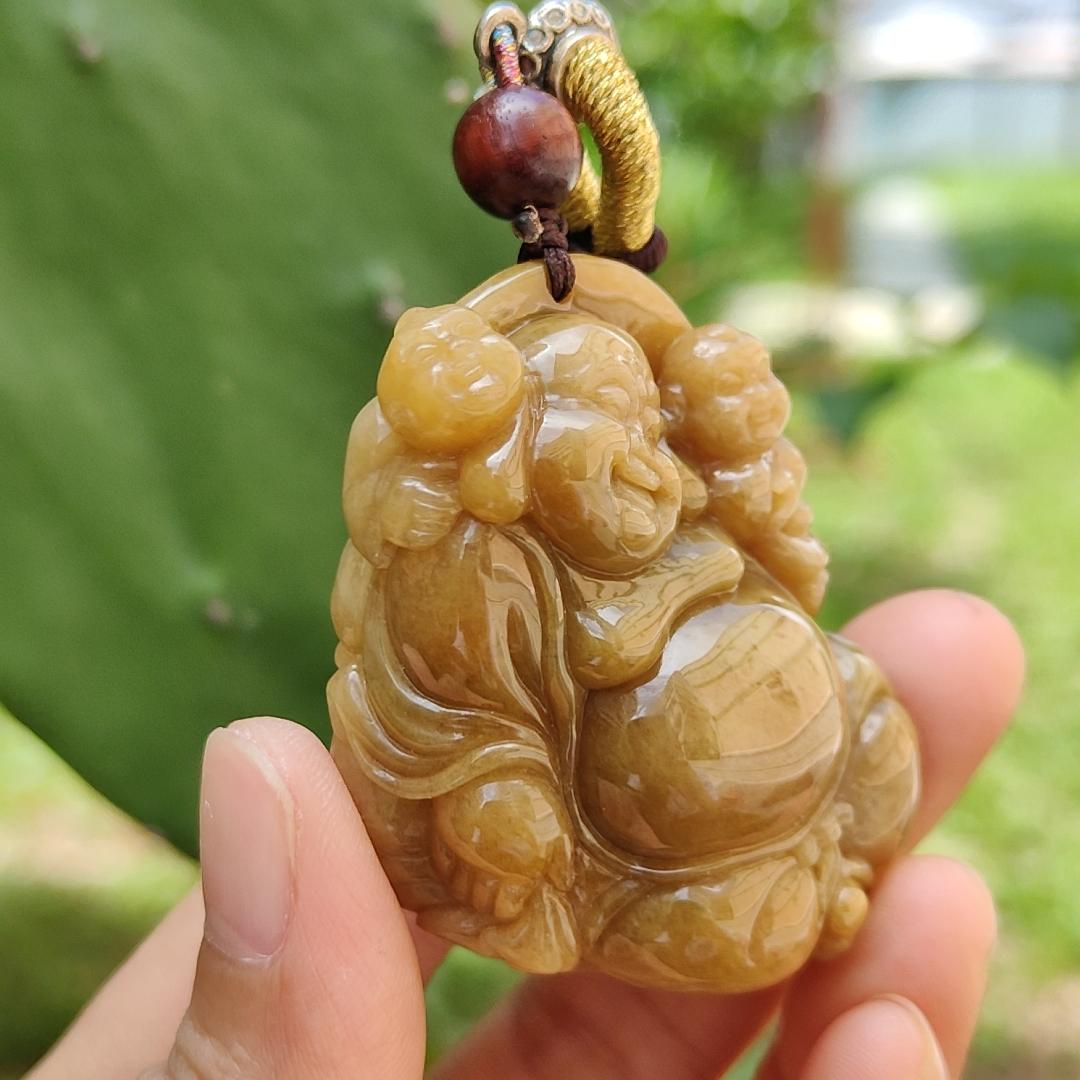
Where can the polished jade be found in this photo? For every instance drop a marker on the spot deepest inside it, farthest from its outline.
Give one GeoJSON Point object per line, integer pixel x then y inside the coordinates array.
{"type": "Point", "coordinates": [581, 700]}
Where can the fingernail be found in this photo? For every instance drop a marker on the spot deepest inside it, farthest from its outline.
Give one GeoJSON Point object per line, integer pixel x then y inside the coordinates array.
{"type": "Point", "coordinates": [246, 832]}
{"type": "Point", "coordinates": [932, 1065]}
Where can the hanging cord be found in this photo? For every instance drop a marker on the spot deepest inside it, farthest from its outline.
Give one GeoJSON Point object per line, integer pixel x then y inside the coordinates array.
{"type": "Point", "coordinates": [597, 86]}
{"type": "Point", "coordinates": [568, 49]}
{"type": "Point", "coordinates": [543, 232]}
{"type": "Point", "coordinates": [544, 235]}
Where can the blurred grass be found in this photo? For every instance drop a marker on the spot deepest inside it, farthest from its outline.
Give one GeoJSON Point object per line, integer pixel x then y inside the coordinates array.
{"type": "Point", "coordinates": [968, 478]}
{"type": "Point", "coordinates": [1018, 238]}
{"type": "Point", "coordinates": [463, 989]}
{"type": "Point", "coordinates": [80, 885]}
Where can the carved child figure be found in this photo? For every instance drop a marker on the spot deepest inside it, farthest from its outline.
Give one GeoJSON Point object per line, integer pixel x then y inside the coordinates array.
{"type": "Point", "coordinates": [581, 701]}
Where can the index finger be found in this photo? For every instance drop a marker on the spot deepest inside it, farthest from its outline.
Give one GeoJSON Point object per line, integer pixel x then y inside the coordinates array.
{"type": "Point", "coordinates": [957, 665]}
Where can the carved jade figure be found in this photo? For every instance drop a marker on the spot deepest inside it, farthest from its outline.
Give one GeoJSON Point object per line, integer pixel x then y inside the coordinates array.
{"type": "Point", "coordinates": [581, 701]}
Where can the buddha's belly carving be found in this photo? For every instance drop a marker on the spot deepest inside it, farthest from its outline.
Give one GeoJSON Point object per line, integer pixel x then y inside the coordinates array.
{"type": "Point", "coordinates": [734, 743]}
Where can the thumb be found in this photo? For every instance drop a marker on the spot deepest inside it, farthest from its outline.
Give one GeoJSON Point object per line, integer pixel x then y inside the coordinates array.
{"type": "Point", "coordinates": [306, 967]}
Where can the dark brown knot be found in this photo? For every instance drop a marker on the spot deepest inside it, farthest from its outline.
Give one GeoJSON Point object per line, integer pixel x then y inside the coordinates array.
{"type": "Point", "coordinates": [645, 259]}
{"type": "Point", "coordinates": [544, 236]}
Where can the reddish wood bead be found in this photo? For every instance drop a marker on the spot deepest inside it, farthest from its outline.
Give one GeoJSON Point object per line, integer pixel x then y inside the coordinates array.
{"type": "Point", "coordinates": [517, 146]}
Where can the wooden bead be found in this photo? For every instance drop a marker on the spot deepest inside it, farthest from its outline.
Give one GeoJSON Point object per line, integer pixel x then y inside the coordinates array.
{"type": "Point", "coordinates": [517, 146]}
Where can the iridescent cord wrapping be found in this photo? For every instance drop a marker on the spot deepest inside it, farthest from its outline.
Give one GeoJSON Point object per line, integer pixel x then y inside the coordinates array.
{"type": "Point", "coordinates": [504, 51]}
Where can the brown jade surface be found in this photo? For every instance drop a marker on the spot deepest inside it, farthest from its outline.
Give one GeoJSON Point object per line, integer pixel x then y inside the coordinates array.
{"type": "Point", "coordinates": [581, 701]}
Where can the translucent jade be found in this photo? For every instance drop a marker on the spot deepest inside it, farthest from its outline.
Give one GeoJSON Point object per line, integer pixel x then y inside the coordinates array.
{"type": "Point", "coordinates": [580, 699]}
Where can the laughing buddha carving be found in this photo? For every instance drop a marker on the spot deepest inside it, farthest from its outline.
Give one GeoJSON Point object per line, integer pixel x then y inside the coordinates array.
{"type": "Point", "coordinates": [580, 699]}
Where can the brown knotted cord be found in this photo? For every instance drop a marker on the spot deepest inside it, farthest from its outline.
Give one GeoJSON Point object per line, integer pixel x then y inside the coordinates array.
{"type": "Point", "coordinates": [645, 259]}
{"type": "Point", "coordinates": [545, 236]}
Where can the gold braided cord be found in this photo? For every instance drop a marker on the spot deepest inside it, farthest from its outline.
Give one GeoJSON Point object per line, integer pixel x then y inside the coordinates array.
{"type": "Point", "coordinates": [601, 91]}
{"type": "Point", "coordinates": [583, 203]}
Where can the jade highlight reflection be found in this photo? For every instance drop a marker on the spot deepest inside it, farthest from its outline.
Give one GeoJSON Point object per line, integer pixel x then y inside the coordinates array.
{"type": "Point", "coordinates": [581, 701]}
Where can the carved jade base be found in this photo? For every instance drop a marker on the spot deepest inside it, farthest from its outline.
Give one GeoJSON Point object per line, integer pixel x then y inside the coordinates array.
{"type": "Point", "coordinates": [580, 701]}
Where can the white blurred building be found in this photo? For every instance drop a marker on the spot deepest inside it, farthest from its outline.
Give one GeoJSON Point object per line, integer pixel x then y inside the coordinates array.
{"type": "Point", "coordinates": [924, 83]}
{"type": "Point", "coordinates": [921, 85]}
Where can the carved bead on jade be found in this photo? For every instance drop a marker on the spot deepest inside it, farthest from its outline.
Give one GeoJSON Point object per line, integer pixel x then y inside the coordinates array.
{"type": "Point", "coordinates": [581, 701]}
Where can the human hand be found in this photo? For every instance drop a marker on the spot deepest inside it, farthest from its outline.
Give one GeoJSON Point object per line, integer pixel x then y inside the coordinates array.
{"type": "Point", "coordinates": [308, 969]}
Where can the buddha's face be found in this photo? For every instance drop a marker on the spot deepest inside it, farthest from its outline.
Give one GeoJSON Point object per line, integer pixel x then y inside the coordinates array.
{"type": "Point", "coordinates": [604, 486]}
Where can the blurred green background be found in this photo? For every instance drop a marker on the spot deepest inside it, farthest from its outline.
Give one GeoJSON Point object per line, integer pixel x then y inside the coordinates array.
{"type": "Point", "coordinates": [210, 217]}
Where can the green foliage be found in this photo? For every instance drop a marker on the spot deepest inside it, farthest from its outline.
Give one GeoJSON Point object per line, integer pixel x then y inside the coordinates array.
{"type": "Point", "coordinates": [724, 73]}
{"type": "Point", "coordinates": [722, 234]}
{"type": "Point", "coordinates": [732, 85]}
{"type": "Point", "coordinates": [79, 886]}
{"type": "Point", "coordinates": [462, 991]}
{"type": "Point", "coordinates": [209, 214]}
{"type": "Point", "coordinates": [968, 479]}
{"type": "Point", "coordinates": [1018, 235]}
